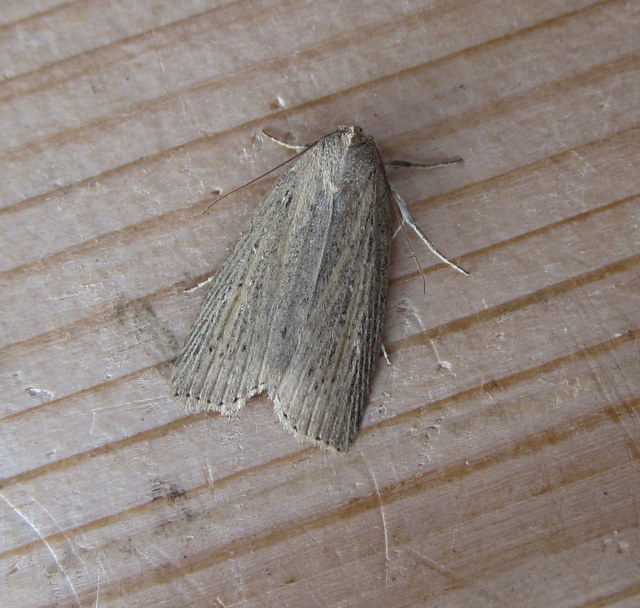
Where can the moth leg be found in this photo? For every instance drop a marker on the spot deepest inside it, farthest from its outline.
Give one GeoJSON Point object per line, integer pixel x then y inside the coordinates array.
{"type": "Point", "coordinates": [407, 219]}
{"type": "Point", "coordinates": [385, 353]}
{"type": "Point", "coordinates": [200, 284]}
{"type": "Point", "coordinates": [298, 148]}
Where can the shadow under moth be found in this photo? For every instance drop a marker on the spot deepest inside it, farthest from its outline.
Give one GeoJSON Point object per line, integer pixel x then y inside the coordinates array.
{"type": "Point", "coordinates": [296, 309]}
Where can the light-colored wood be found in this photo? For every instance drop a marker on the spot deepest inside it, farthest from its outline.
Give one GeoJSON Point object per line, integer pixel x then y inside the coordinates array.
{"type": "Point", "coordinates": [498, 463]}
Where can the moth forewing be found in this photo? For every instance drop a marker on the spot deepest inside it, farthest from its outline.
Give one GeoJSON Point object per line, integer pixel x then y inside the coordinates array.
{"type": "Point", "coordinates": [297, 307]}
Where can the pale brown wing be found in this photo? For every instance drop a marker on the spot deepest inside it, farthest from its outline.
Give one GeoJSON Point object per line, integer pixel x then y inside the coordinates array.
{"type": "Point", "coordinates": [297, 307]}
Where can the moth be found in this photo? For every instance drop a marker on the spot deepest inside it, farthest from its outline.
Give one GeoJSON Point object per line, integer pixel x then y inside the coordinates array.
{"type": "Point", "coordinates": [297, 307]}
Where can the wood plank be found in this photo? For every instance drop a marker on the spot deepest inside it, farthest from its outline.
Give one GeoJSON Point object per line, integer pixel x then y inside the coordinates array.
{"type": "Point", "coordinates": [498, 464]}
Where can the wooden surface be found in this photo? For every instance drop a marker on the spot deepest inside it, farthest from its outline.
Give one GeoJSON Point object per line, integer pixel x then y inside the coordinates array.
{"type": "Point", "coordinates": [498, 464]}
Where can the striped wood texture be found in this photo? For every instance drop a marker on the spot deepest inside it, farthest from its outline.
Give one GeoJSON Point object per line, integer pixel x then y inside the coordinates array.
{"type": "Point", "coordinates": [498, 463]}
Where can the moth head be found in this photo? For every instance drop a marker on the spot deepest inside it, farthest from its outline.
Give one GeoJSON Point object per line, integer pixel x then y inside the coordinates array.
{"type": "Point", "coordinates": [353, 135]}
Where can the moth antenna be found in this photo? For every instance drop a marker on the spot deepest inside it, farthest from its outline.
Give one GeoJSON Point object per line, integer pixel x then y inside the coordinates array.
{"type": "Point", "coordinates": [255, 179]}
{"type": "Point", "coordinates": [407, 163]}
